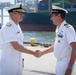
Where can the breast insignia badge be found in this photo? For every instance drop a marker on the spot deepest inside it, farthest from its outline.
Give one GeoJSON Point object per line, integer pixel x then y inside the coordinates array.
{"type": "Point", "coordinates": [60, 34]}
{"type": "Point", "coordinates": [8, 24]}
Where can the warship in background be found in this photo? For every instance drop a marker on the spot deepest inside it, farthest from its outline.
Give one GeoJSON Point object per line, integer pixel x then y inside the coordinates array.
{"type": "Point", "coordinates": [37, 15]}
{"type": "Point", "coordinates": [39, 19]}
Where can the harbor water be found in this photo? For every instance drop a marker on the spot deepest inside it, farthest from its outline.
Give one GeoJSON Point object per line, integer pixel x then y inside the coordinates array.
{"type": "Point", "coordinates": [40, 36]}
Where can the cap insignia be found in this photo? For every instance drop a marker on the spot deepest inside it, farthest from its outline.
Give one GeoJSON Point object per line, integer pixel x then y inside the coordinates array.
{"type": "Point", "coordinates": [20, 5]}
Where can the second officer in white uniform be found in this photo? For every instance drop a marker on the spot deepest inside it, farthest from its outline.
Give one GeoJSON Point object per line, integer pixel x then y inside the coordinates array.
{"type": "Point", "coordinates": [65, 42]}
{"type": "Point", "coordinates": [11, 43]}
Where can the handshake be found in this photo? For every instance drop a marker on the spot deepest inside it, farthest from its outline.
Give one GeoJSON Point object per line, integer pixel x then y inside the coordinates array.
{"type": "Point", "coordinates": [38, 53]}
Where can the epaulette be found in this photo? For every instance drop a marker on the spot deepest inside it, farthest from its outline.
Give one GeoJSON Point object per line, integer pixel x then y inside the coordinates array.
{"type": "Point", "coordinates": [8, 24]}
{"type": "Point", "coordinates": [67, 25]}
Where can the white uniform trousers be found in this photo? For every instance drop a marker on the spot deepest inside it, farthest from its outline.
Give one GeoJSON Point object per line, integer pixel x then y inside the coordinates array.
{"type": "Point", "coordinates": [61, 66]}
{"type": "Point", "coordinates": [12, 70]}
{"type": "Point", "coordinates": [11, 65]}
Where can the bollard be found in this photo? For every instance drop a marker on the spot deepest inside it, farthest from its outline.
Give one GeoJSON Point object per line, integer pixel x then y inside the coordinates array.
{"type": "Point", "coordinates": [32, 41]}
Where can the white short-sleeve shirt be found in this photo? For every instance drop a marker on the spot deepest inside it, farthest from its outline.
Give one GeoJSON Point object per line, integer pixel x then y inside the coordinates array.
{"type": "Point", "coordinates": [65, 35]}
{"type": "Point", "coordinates": [10, 32]}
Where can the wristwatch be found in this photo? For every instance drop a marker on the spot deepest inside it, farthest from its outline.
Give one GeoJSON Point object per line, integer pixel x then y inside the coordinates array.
{"type": "Point", "coordinates": [69, 68]}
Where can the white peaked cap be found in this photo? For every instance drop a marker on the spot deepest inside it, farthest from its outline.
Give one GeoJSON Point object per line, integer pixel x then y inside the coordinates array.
{"type": "Point", "coordinates": [59, 8]}
{"type": "Point", "coordinates": [18, 7]}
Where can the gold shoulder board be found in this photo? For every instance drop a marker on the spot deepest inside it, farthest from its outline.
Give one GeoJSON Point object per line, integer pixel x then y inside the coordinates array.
{"type": "Point", "coordinates": [8, 24]}
{"type": "Point", "coordinates": [67, 25]}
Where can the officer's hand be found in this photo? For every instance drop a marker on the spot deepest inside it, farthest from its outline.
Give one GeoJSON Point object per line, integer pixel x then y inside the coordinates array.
{"type": "Point", "coordinates": [38, 53]}
{"type": "Point", "coordinates": [68, 72]}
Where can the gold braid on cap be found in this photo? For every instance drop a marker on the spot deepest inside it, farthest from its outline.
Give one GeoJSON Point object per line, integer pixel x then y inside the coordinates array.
{"type": "Point", "coordinates": [18, 10]}
{"type": "Point", "coordinates": [54, 11]}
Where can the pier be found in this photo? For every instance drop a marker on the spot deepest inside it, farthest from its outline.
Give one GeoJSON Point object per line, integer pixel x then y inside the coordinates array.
{"type": "Point", "coordinates": [45, 65]}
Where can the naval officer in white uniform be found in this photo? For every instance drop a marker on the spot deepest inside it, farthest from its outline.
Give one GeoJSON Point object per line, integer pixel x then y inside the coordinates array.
{"type": "Point", "coordinates": [64, 46]}
{"type": "Point", "coordinates": [11, 43]}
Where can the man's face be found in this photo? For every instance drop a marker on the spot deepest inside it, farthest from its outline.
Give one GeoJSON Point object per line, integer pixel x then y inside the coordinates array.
{"type": "Point", "coordinates": [19, 16]}
{"type": "Point", "coordinates": [54, 19]}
